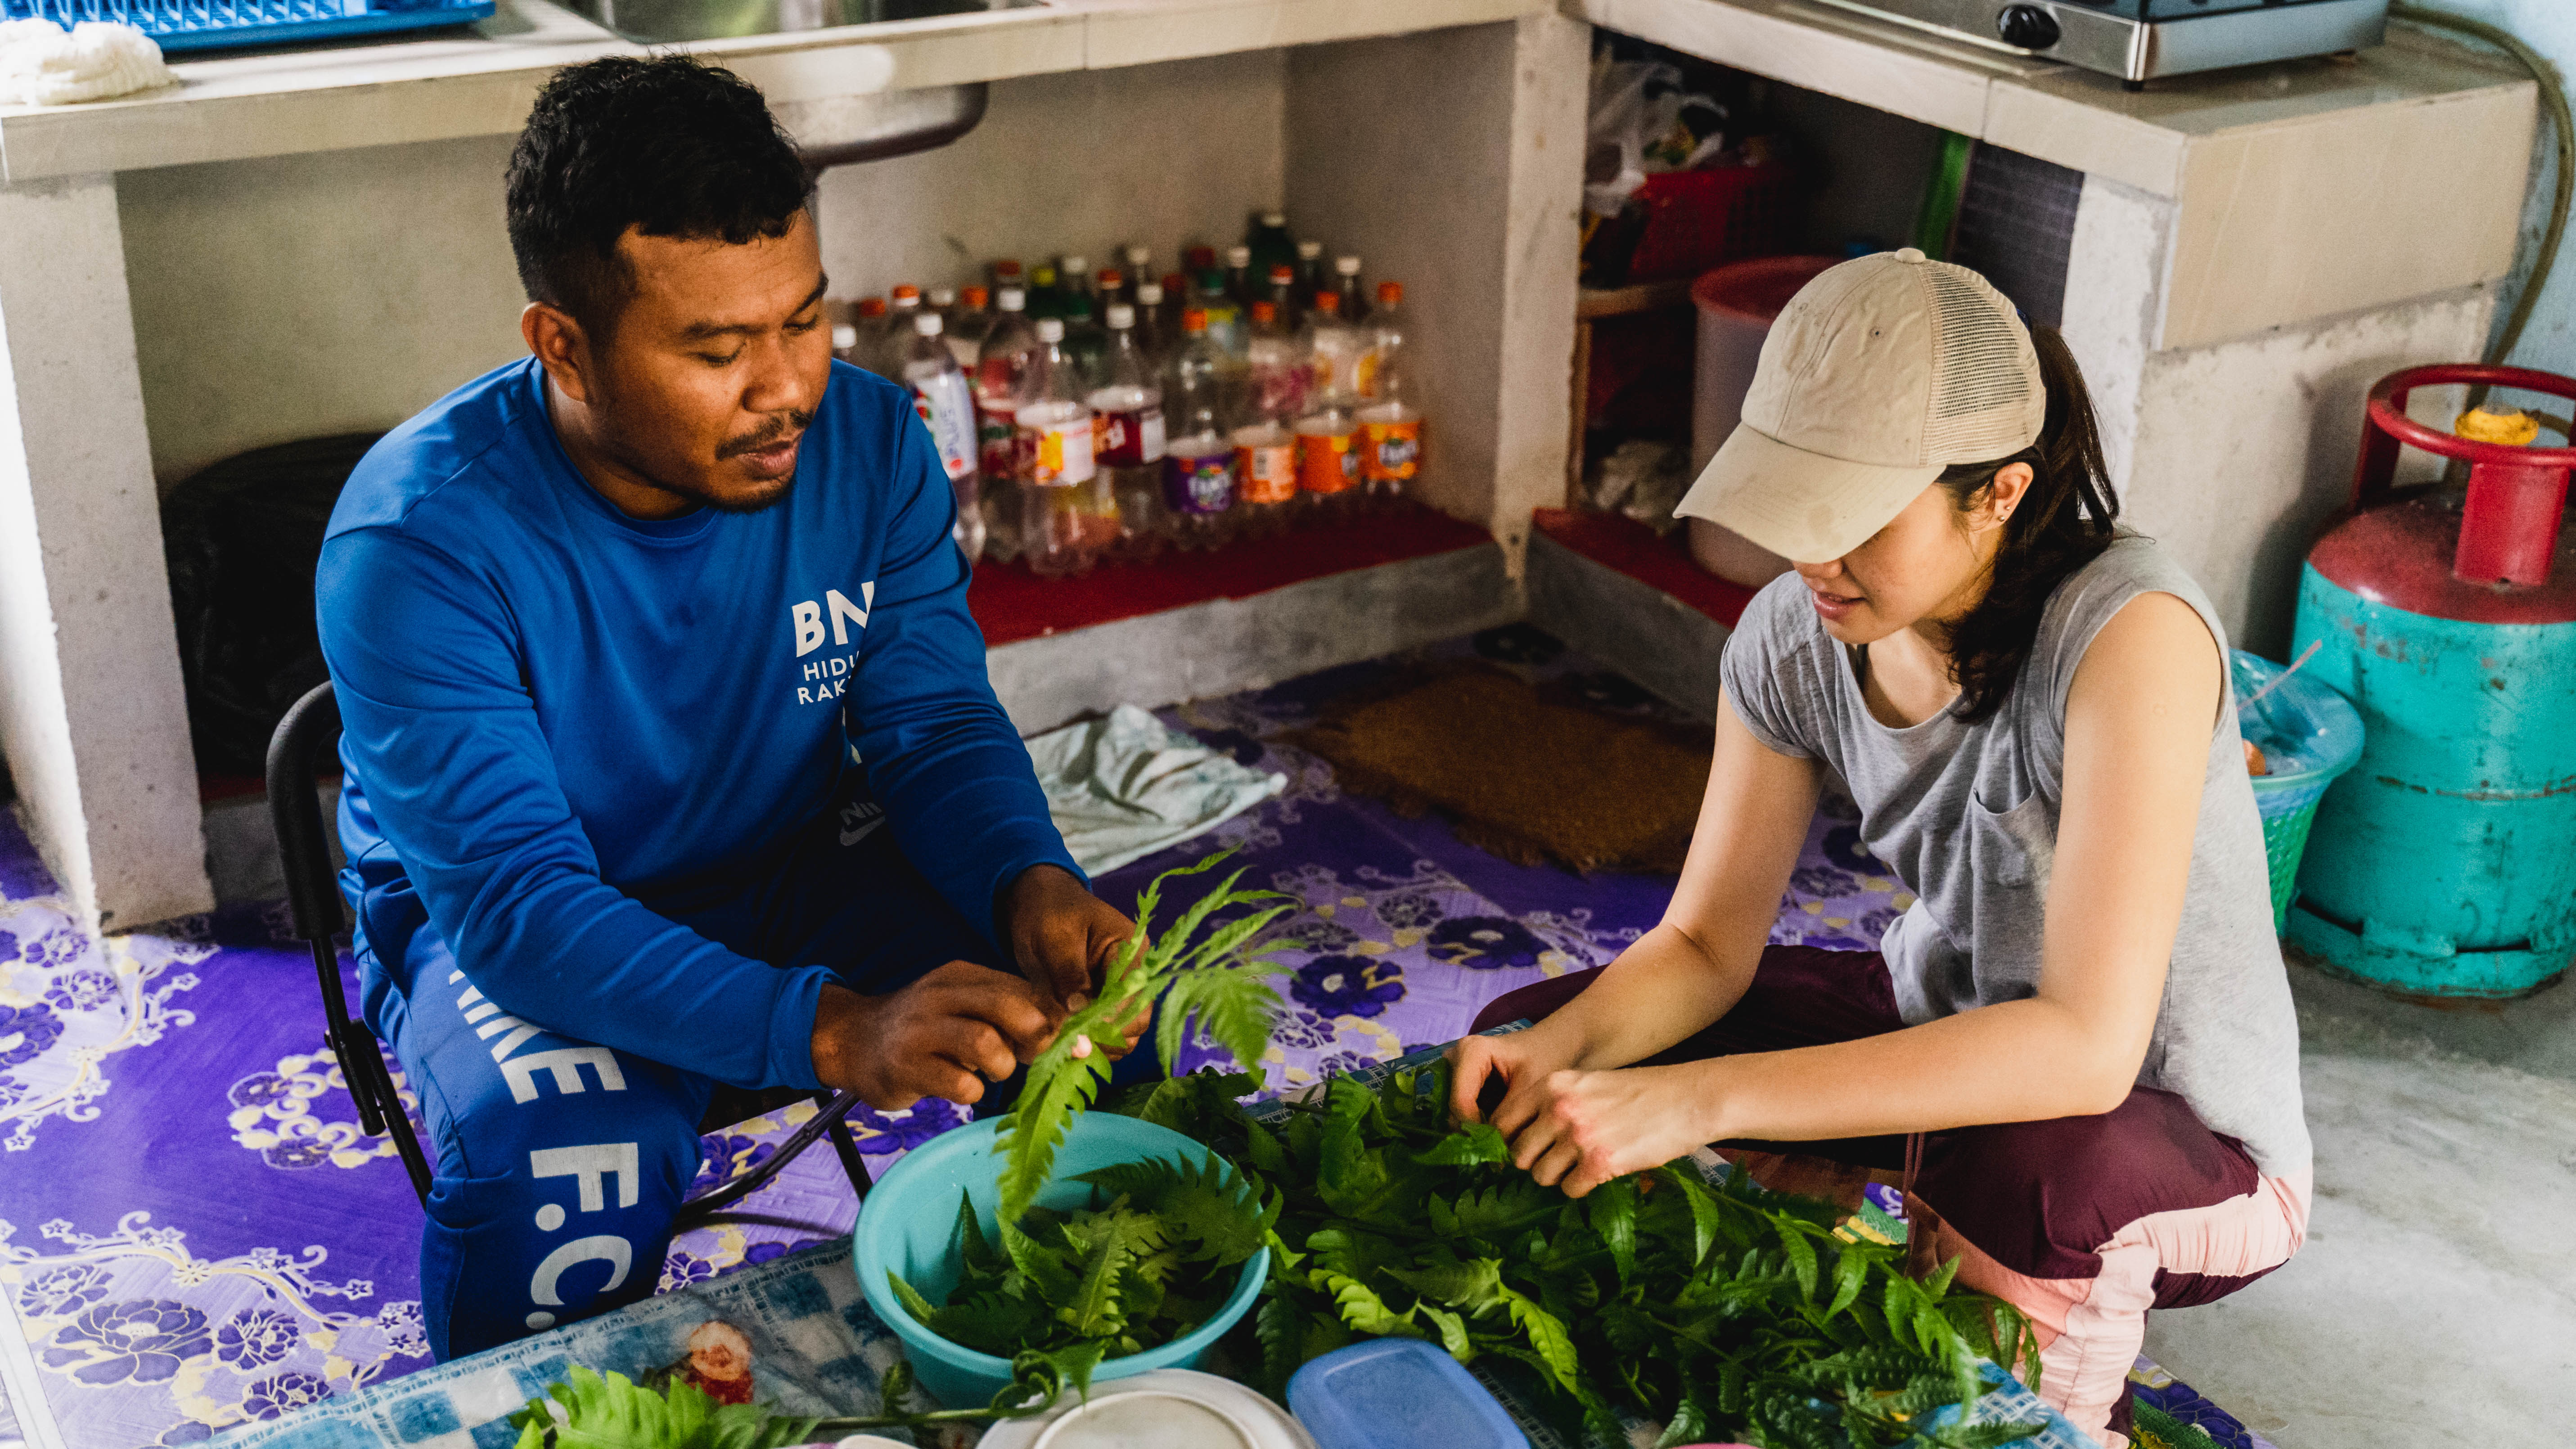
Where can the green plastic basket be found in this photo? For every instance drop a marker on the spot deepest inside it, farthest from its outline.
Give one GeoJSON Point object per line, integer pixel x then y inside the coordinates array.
{"type": "Point", "coordinates": [2310, 735]}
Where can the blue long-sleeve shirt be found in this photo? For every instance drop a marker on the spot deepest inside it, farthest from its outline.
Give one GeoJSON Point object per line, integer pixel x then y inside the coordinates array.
{"type": "Point", "coordinates": [557, 716]}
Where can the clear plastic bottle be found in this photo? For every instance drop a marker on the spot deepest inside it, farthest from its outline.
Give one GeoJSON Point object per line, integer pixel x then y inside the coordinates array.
{"type": "Point", "coordinates": [1153, 338]}
{"type": "Point", "coordinates": [968, 323]}
{"type": "Point", "coordinates": [1073, 277]}
{"type": "Point", "coordinates": [1069, 517]}
{"type": "Point", "coordinates": [947, 407]}
{"type": "Point", "coordinates": [905, 304]}
{"type": "Point", "coordinates": [1176, 300]}
{"type": "Point", "coordinates": [1198, 484]}
{"type": "Point", "coordinates": [1390, 413]}
{"type": "Point", "coordinates": [1280, 376]}
{"type": "Point", "coordinates": [1109, 286]}
{"type": "Point", "coordinates": [1127, 411]}
{"type": "Point", "coordinates": [1265, 465]}
{"type": "Point", "coordinates": [867, 349]}
{"type": "Point", "coordinates": [1332, 349]}
{"type": "Point", "coordinates": [1225, 321]}
{"type": "Point", "coordinates": [1005, 273]}
{"type": "Point", "coordinates": [1270, 242]}
{"type": "Point", "coordinates": [1046, 299]}
{"type": "Point", "coordinates": [1085, 340]}
{"type": "Point", "coordinates": [1001, 371]}
{"type": "Point", "coordinates": [845, 340]}
{"type": "Point", "coordinates": [1313, 274]}
{"type": "Point", "coordinates": [1346, 281]}
{"type": "Point", "coordinates": [1239, 281]}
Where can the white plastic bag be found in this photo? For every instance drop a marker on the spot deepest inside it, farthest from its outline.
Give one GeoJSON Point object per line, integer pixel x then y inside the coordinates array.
{"type": "Point", "coordinates": [41, 64]}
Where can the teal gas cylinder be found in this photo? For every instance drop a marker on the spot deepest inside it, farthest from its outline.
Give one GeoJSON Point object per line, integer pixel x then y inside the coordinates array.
{"type": "Point", "coordinates": [2444, 863]}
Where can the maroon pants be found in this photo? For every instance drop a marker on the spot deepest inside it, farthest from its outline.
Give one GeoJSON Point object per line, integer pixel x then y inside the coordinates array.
{"type": "Point", "coordinates": [2032, 1207]}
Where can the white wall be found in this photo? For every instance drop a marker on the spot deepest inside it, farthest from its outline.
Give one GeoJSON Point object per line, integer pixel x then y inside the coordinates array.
{"type": "Point", "coordinates": [298, 296]}
{"type": "Point", "coordinates": [1083, 162]}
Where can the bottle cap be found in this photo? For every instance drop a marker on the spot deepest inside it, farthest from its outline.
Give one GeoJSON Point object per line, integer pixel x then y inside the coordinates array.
{"type": "Point", "coordinates": [1389, 293]}
{"type": "Point", "coordinates": [1173, 282]}
{"type": "Point", "coordinates": [1050, 329]}
{"type": "Point", "coordinates": [1347, 266]}
{"type": "Point", "coordinates": [1150, 293]}
{"type": "Point", "coordinates": [929, 324]}
{"type": "Point", "coordinates": [1329, 303]}
{"type": "Point", "coordinates": [1199, 259]}
{"type": "Point", "coordinates": [1212, 280]}
{"type": "Point", "coordinates": [1121, 316]}
{"type": "Point", "coordinates": [1012, 299]}
{"type": "Point", "coordinates": [1282, 274]}
{"type": "Point", "coordinates": [1075, 266]}
{"type": "Point", "coordinates": [1309, 250]}
{"type": "Point", "coordinates": [907, 294]}
{"type": "Point", "coordinates": [1138, 257]}
{"type": "Point", "coordinates": [1006, 268]}
{"type": "Point", "coordinates": [872, 306]}
{"type": "Point", "coordinates": [1265, 312]}
{"type": "Point", "coordinates": [1274, 218]}
{"type": "Point", "coordinates": [1194, 320]}
{"type": "Point", "coordinates": [1238, 256]}
{"type": "Point", "coordinates": [976, 296]}
{"type": "Point", "coordinates": [1111, 279]}
{"type": "Point", "coordinates": [844, 337]}
{"type": "Point", "coordinates": [943, 296]}
{"type": "Point", "coordinates": [1043, 275]}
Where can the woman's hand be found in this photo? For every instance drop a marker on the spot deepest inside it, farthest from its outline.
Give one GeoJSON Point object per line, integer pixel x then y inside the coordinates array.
{"type": "Point", "coordinates": [1517, 1062]}
{"type": "Point", "coordinates": [1581, 1129]}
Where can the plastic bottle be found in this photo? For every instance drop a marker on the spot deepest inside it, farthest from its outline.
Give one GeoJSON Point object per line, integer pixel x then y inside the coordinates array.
{"type": "Point", "coordinates": [1331, 348]}
{"type": "Point", "coordinates": [1199, 486]}
{"type": "Point", "coordinates": [1046, 299]}
{"type": "Point", "coordinates": [968, 323]}
{"type": "Point", "coordinates": [1265, 466]}
{"type": "Point", "coordinates": [1110, 288]}
{"type": "Point", "coordinates": [1153, 338]}
{"type": "Point", "coordinates": [1283, 297]}
{"type": "Point", "coordinates": [905, 306]}
{"type": "Point", "coordinates": [1069, 519]}
{"type": "Point", "coordinates": [1225, 321]}
{"type": "Point", "coordinates": [1140, 263]}
{"type": "Point", "coordinates": [845, 341]}
{"type": "Point", "coordinates": [1270, 242]}
{"type": "Point", "coordinates": [1005, 273]}
{"type": "Point", "coordinates": [1239, 282]}
{"type": "Point", "coordinates": [868, 348]}
{"type": "Point", "coordinates": [947, 407]}
{"type": "Point", "coordinates": [1312, 274]}
{"type": "Point", "coordinates": [1001, 371]}
{"type": "Point", "coordinates": [1280, 375]}
{"type": "Point", "coordinates": [1390, 414]}
{"type": "Point", "coordinates": [1346, 281]}
{"type": "Point", "coordinates": [1127, 420]}
{"type": "Point", "coordinates": [1073, 276]}
{"type": "Point", "coordinates": [1176, 300]}
{"type": "Point", "coordinates": [1086, 342]}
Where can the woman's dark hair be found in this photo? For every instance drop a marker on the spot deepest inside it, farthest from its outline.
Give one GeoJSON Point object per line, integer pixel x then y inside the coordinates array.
{"type": "Point", "coordinates": [2064, 522]}
{"type": "Point", "coordinates": [665, 145]}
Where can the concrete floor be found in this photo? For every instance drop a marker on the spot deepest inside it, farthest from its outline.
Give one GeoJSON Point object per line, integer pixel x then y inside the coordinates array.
{"type": "Point", "coordinates": [2435, 1302]}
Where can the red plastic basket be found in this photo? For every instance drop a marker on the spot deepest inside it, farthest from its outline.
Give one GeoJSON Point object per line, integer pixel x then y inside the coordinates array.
{"type": "Point", "coordinates": [1696, 219]}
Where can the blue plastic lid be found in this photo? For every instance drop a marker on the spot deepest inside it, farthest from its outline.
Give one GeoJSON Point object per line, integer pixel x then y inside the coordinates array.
{"type": "Point", "coordinates": [1397, 1393]}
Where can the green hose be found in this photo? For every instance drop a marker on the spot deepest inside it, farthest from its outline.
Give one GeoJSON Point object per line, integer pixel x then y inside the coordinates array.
{"type": "Point", "coordinates": [2554, 99]}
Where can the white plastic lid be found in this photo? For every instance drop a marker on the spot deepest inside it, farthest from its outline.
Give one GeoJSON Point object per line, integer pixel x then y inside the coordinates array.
{"type": "Point", "coordinates": [1309, 250]}
{"type": "Point", "coordinates": [1238, 256]}
{"type": "Point", "coordinates": [1149, 293]}
{"type": "Point", "coordinates": [906, 298]}
{"type": "Point", "coordinates": [1148, 1421]}
{"type": "Point", "coordinates": [1012, 299]}
{"type": "Point", "coordinates": [1121, 315]}
{"type": "Point", "coordinates": [844, 336]}
{"type": "Point", "coordinates": [929, 324]}
{"type": "Point", "coordinates": [1137, 257]}
{"type": "Point", "coordinates": [1050, 329]}
{"type": "Point", "coordinates": [943, 296]}
{"type": "Point", "coordinates": [1347, 266]}
{"type": "Point", "coordinates": [1274, 218]}
{"type": "Point", "coordinates": [1075, 267]}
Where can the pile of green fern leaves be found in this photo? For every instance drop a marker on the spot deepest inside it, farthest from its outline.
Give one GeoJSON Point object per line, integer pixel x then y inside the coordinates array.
{"type": "Point", "coordinates": [1721, 1312]}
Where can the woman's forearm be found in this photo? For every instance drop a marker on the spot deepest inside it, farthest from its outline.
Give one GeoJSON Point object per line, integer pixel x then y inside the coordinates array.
{"type": "Point", "coordinates": [1659, 991]}
{"type": "Point", "coordinates": [2015, 1061]}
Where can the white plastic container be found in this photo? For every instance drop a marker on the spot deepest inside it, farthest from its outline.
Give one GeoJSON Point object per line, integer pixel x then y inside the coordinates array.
{"type": "Point", "coordinates": [1737, 304]}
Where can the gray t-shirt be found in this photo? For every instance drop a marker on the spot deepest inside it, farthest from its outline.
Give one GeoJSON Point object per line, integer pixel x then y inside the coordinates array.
{"type": "Point", "coordinates": [1966, 815]}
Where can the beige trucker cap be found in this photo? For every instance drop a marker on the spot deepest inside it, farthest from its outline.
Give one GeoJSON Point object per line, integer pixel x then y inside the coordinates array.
{"type": "Point", "coordinates": [1879, 374]}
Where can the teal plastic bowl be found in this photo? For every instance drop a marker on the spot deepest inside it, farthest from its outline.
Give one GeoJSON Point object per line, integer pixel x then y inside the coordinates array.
{"type": "Point", "coordinates": [908, 1226]}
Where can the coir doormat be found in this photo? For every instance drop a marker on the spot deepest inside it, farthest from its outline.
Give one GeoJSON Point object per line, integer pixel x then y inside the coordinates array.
{"type": "Point", "coordinates": [1522, 771]}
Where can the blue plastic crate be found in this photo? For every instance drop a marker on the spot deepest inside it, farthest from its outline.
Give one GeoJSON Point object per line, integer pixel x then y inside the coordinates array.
{"type": "Point", "coordinates": [179, 25]}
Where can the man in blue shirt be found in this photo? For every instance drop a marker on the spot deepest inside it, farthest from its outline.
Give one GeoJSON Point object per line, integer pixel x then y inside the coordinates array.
{"type": "Point", "coordinates": [671, 758]}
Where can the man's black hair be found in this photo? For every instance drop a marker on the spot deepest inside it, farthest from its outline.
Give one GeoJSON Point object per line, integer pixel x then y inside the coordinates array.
{"type": "Point", "coordinates": [665, 145]}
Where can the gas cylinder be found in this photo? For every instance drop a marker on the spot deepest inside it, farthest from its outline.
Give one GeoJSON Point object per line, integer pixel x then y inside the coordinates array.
{"type": "Point", "coordinates": [2444, 863]}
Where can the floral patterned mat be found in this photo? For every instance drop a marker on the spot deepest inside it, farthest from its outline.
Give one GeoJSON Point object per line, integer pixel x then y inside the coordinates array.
{"type": "Point", "coordinates": [195, 1235]}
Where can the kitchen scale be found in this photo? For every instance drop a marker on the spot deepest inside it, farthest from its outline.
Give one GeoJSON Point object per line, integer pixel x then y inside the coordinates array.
{"type": "Point", "coordinates": [2144, 40]}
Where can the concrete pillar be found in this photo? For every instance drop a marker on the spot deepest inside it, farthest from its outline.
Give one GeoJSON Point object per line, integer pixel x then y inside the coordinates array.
{"type": "Point", "coordinates": [92, 715]}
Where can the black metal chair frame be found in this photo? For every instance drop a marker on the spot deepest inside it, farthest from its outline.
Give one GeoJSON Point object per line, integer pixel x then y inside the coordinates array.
{"type": "Point", "coordinates": [310, 730]}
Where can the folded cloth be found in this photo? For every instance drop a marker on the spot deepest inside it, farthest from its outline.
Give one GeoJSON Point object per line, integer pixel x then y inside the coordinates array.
{"type": "Point", "coordinates": [1125, 786]}
{"type": "Point", "coordinates": [41, 64]}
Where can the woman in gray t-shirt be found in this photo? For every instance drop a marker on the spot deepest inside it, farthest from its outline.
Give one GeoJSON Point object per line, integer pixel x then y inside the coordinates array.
{"type": "Point", "coordinates": [2079, 1034]}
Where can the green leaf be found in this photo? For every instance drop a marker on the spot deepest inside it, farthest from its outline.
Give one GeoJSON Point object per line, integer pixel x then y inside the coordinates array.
{"type": "Point", "coordinates": [1233, 1006]}
{"type": "Point", "coordinates": [1363, 1310]}
{"type": "Point", "coordinates": [1547, 1336]}
{"type": "Point", "coordinates": [1476, 1142]}
{"type": "Point", "coordinates": [1851, 1273]}
{"type": "Point", "coordinates": [1703, 1208]}
{"type": "Point", "coordinates": [978, 1254]}
{"type": "Point", "coordinates": [1471, 1286]}
{"type": "Point", "coordinates": [1611, 1210]}
{"type": "Point", "coordinates": [1802, 1254]}
{"type": "Point", "coordinates": [1280, 1326]}
{"type": "Point", "coordinates": [1689, 1423]}
{"type": "Point", "coordinates": [1453, 1331]}
{"type": "Point", "coordinates": [910, 1297]}
{"type": "Point", "coordinates": [1263, 1150]}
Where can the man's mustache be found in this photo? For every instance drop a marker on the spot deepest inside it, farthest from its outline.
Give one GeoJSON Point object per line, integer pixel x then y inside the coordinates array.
{"type": "Point", "coordinates": [767, 435]}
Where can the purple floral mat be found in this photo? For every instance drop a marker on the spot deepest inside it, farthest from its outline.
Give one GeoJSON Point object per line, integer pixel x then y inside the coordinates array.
{"type": "Point", "coordinates": [194, 1233]}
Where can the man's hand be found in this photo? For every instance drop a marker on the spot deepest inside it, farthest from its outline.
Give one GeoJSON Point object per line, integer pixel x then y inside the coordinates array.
{"type": "Point", "coordinates": [948, 1035]}
{"type": "Point", "coordinates": [1064, 938]}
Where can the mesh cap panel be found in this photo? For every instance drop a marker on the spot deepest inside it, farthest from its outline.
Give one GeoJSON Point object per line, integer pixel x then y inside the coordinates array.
{"type": "Point", "coordinates": [1982, 403]}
